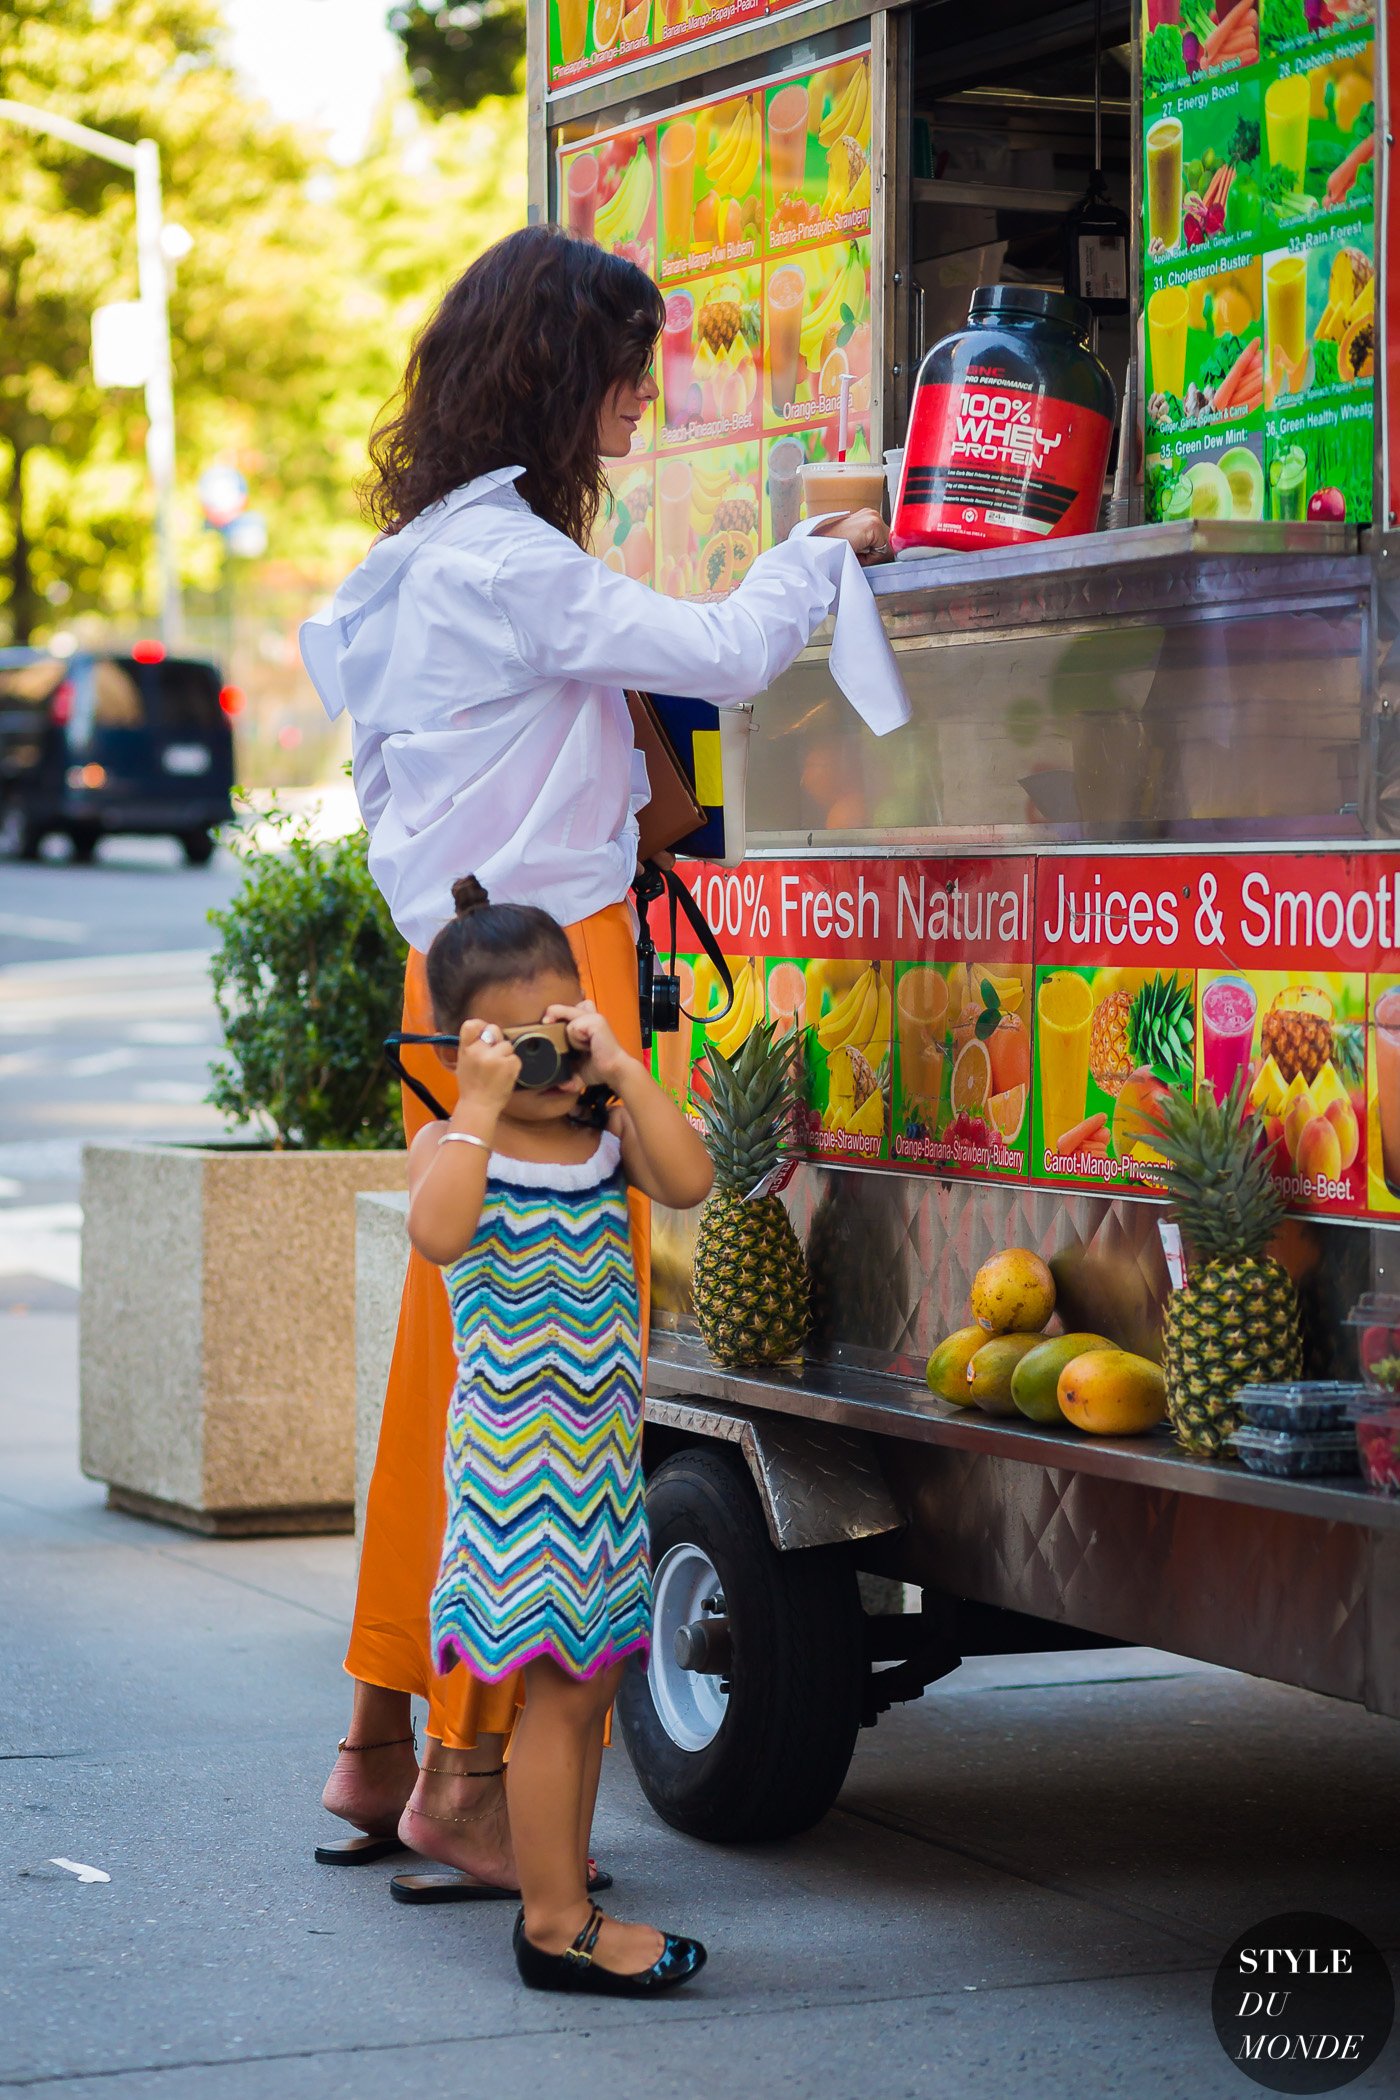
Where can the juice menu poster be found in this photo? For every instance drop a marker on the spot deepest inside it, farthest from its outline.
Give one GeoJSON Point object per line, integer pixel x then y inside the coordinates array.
{"type": "Point", "coordinates": [752, 212]}
{"type": "Point", "coordinates": [1258, 294]}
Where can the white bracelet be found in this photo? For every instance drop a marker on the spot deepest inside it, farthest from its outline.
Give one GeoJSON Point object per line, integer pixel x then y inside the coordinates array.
{"type": "Point", "coordinates": [463, 1137]}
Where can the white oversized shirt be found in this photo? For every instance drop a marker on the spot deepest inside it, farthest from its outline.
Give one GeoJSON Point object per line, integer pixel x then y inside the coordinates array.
{"type": "Point", "coordinates": [482, 658]}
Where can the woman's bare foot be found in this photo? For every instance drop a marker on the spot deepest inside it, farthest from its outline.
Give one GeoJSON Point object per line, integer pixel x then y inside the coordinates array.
{"type": "Point", "coordinates": [458, 1820]}
{"type": "Point", "coordinates": [368, 1787]}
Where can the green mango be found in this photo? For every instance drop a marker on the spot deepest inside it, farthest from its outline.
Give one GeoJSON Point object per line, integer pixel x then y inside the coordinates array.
{"type": "Point", "coordinates": [1037, 1376]}
{"type": "Point", "coordinates": [947, 1367]}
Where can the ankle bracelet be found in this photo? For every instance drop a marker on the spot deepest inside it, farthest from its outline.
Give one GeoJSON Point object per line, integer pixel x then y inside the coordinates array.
{"type": "Point", "coordinates": [446, 1772]}
{"type": "Point", "coordinates": [357, 1749]}
{"type": "Point", "coordinates": [456, 1821]}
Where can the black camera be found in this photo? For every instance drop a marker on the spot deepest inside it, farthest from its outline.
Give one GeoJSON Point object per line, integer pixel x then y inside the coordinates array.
{"type": "Point", "coordinates": [660, 993]}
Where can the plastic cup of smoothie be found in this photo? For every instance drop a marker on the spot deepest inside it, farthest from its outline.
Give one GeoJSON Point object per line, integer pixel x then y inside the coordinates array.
{"type": "Point", "coordinates": [845, 485]}
{"type": "Point", "coordinates": [1228, 1008]}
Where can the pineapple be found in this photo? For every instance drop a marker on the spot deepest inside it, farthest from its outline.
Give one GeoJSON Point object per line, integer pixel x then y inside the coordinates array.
{"type": "Point", "coordinates": [719, 322]}
{"type": "Point", "coordinates": [1297, 1032]}
{"type": "Point", "coordinates": [751, 1292]}
{"type": "Point", "coordinates": [1153, 1028]}
{"type": "Point", "coordinates": [1110, 1059]}
{"type": "Point", "coordinates": [736, 511]}
{"type": "Point", "coordinates": [1237, 1320]}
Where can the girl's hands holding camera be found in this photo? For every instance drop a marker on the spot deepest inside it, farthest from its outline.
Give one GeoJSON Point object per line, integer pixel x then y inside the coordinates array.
{"type": "Point", "coordinates": [604, 1062]}
{"type": "Point", "coordinates": [487, 1069]}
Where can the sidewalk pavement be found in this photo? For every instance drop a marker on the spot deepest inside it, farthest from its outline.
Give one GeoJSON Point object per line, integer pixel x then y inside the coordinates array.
{"type": "Point", "coordinates": [1025, 1887]}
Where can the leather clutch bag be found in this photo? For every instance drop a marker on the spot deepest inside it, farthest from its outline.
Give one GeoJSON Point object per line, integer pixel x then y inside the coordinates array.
{"type": "Point", "coordinates": [673, 812]}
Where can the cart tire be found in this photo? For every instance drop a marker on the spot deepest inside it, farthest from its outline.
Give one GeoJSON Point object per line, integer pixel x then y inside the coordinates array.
{"type": "Point", "coordinates": [83, 840]}
{"type": "Point", "coordinates": [783, 1746]}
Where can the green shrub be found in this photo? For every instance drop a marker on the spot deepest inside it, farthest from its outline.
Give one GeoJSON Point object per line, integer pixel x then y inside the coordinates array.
{"type": "Point", "coordinates": [308, 980]}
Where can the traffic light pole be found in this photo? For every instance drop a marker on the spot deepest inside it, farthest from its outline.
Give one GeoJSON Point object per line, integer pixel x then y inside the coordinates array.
{"type": "Point", "coordinates": [142, 162]}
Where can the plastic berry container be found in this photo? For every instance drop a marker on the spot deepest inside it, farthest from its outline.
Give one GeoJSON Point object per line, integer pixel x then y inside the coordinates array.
{"type": "Point", "coordinates": [1301, 1408]}
{"type": "Point", "coordinates": [1285, 1457]}
{"type": "Point", "coordinates": [1376, 1320]}
{"type": "Point", "coordinates": [1377, 1430]}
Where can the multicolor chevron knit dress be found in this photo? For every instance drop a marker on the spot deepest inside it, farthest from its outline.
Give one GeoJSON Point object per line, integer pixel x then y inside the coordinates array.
{"type": "Point", "coordinates": [545, 1551]}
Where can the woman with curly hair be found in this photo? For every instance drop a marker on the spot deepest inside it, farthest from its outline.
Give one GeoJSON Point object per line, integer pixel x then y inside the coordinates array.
{"type": "Point", "coordinates": [482, 654]}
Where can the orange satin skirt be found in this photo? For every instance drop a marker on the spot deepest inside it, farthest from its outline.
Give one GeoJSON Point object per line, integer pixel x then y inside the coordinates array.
{"type": "Point", "coordinates": [406, 1511]}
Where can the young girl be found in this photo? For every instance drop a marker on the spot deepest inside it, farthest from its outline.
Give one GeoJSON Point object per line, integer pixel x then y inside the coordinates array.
{"type": "Point", "coordinates": [522, 1201]}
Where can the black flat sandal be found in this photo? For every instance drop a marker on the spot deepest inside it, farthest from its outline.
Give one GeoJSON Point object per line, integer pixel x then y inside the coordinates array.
{"type": "Point", "coordinates": [576, 1970]}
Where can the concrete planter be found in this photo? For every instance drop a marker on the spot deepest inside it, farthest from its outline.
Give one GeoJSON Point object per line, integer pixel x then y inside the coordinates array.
{"type": "Point", "coordinates": [381, 1260]}
{"type": "Point", "coordinates": [217, 1332]}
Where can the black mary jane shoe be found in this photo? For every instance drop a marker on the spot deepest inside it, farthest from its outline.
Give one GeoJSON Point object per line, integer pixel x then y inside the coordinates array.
{"type": "Point", "coordinates": [576, 1970]}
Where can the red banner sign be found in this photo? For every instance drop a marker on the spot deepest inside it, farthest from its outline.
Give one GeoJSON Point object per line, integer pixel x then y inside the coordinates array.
{"type": "Point", "coordinates": [1013, 1017]}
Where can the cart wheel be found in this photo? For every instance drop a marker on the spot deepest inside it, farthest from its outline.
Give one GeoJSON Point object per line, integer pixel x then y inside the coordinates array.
{"type": "Point", "coordinates": [198, 847]}
{"type": "Point", "coordinates": [760, 1747]}
{"type": "Point", "coordinates": [83, 840]}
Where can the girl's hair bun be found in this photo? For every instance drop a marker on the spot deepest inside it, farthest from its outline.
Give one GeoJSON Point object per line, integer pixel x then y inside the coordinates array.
{"type": "Point", "coordinates": [468, 895]}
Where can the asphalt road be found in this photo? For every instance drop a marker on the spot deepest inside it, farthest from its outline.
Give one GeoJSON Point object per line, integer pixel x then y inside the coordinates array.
{"type": "Point", "coordinates": [106, 1030]}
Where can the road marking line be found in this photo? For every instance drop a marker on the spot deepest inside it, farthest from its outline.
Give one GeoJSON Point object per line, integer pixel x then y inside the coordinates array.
{"type": "Point", "coordinates": [24, 926]}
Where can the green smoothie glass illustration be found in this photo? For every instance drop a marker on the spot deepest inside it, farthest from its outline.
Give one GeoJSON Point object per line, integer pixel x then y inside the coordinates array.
{"type": "Point", "coordinates": [1164, 182]}
{"type": "Point", "coordinates": [1288, 484]}
{"type": "Point", "coordinates": [1286, 108]}
{"type": "Point", "coordinates": [1166, 331]}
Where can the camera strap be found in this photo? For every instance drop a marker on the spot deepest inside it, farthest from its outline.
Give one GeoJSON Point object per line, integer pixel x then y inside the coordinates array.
{"type": "Point", "coordinates": [653, 882]}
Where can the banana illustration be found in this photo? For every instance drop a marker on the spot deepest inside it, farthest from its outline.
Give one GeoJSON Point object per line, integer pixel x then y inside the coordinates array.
{"type": "Point", "coordinates": [733, 149]}
{"type": "Point", "coordinates": [737, 1026]}
{"type": "Point", "coordinates": [838, 1027]}
{"type": "Point", "coordinates": [850, 112]}
{"type": "Point", "coordinates": [628, 206]}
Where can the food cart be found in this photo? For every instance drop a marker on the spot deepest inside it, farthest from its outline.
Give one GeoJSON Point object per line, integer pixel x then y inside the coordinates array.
{"type": "Point", "coordinates": [1160, 754]}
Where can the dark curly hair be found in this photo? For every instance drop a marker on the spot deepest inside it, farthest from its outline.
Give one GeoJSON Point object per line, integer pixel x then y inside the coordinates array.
{"type": "Point", "coordinates": [512, 371]}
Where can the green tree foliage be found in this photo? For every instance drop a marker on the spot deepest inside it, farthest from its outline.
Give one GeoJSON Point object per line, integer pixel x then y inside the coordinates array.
{"type": "Point", "coordinates": [459, 55]}
{"type": "Point", "coordinates": [308, 980]}
{"type": "Point", "coordinates": [290, 316]}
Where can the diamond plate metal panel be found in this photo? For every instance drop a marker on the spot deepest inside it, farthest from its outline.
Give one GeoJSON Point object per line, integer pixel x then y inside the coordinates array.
{"type": "Point", "coordinates": [819, 1486]}
{"type": "Point", "coordinates": [1251, 1589]}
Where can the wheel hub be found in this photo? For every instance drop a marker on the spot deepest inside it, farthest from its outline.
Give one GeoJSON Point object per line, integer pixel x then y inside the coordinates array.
{"type": "Point", "coordinates": [685, 1589]}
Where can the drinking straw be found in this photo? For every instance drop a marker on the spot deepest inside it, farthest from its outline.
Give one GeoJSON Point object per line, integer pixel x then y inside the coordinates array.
{"type": "Point", "coordinates": [843, 418]}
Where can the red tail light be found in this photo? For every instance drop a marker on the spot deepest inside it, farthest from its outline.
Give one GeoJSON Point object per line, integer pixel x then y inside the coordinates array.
{"type": "Point", "coordinates": [232, 699]}
{"type": "Point", "coordinates": [148, 652]}
{"type": "Point", "coordinates": [61, 704]}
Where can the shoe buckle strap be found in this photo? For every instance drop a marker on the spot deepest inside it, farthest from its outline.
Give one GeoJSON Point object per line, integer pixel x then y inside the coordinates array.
{"type": "Point", "coordinates": [582, 1948]}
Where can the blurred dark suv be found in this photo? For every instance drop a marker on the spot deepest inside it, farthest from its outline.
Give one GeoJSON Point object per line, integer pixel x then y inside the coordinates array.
{"type": "Point", "coordinates": [94, 743]}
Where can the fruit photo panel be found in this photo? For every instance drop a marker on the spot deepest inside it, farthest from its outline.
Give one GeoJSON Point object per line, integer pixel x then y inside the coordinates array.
{"type": "Point", "coordinates": [1319, 136]}
{"type": "Point", "coordinates": [1319, 316]}
{"type": "Point", "coordinates": [1199, 146]}
{"type": "Point", "coordinates": [678, 21]}
{"type": "Point", "coordinates": [711, 192]}
{"type": "Point", "coordinates": [592, 36]}
{"type": "Point", "coordinates": [849, 1008]}
{"type": "Point", "coordinates": [816, 327]}
{"type": "Point", "coordinates": [816, 130]}
{"type": "Point", "coordinates": [707, 507]}
{"type": "Point", "coordinates": [710, 351]}
{"type": "Point", "coordinates": [1186, 40]}
{"type": "Point", "coordinates": [1110, 1043]}
{"type": "Point", "coordinates": [607, 194]}
{"type": "Point", "coordinates": [1299, 1048]}
{"type": "Point", "coordinates": [1205, 345]}
{"type": "Point", "coordinates": [962, 1074]}
{"type": "Point", "coordinates": [1382, 1124]}
{"type": "Point", "coordinates": [624, 535]}
{"type": "Point", "coordinates": [1312, 27]}
{"type": "Point", "coordinates": [1217, 474]}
